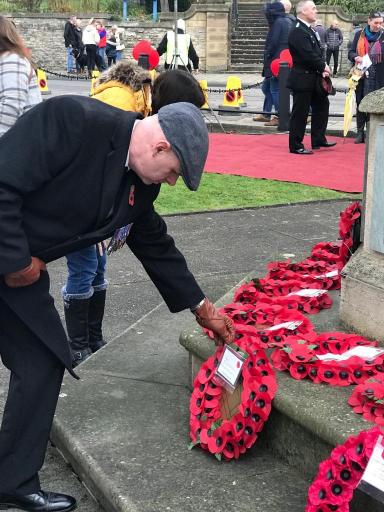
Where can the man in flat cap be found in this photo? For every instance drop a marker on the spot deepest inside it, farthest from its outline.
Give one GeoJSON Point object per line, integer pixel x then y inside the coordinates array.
{"type": "Point", "coordinates": [88, 172]}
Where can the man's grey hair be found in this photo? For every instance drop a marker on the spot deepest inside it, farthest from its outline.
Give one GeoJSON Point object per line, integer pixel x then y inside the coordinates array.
{"type": "Point", "coordinates": [301, 5]}
{"type": "Point", "coordinates": [287, 5]}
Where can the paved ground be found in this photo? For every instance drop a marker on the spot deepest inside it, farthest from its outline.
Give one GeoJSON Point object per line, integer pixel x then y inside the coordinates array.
{"type": "Point", "coordinates": [133, 394]}
{"type": "Point", "coordinates": [254, 98]}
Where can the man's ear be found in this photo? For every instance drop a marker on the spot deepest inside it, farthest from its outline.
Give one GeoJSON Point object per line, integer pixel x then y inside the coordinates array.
{"type": "Point", "coordinates": [161, 145]}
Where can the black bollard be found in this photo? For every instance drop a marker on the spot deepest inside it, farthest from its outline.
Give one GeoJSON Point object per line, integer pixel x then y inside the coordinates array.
{"type": "Point", "coordinates": [143, 60]}
{"type": "Point", "coordinates": [284, 98]}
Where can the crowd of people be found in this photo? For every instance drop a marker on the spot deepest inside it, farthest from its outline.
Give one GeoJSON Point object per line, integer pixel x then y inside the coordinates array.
{"type": "Point", "coordinates": [92, 46]}
{"type": "Point", "coordinates": [312, 48]}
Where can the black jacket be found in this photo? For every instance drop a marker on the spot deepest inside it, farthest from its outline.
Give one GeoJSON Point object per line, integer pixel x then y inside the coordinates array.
{"type": "Point", "coordinates": [70, 34]}
{"type": "Point", "coordinates": [69, 189]}
{"type": "Point", "coordinates": [307, 56]}
{"type": "Point", "coordinates": [277, 39]}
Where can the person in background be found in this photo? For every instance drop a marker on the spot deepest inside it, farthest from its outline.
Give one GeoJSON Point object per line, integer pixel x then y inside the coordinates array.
{"type": "Point", "coordinates": [110, 49]}
{"type": "Point", "coordinates": [334, 40]}
{"type": "Point", "coordinates": [19, 90]}
{"type": "Point", "coordinates": [118, 32]}
{"type": "Point", "coordinates": [91, 39]}
{"type": "Point", "coordinates": [355, 28]}
{"type": "Point", "coordinates": [78, 50]}
{"type": "Point", "coordinates": [304, 79]}
{"type": "Point", "coordinates": [276, 42]}
{"type": "Point", "coordinates": [368, 41]}
{"type": "Point", "coordinates": [70, 41]}
{"type": "Point", "coordinates": [186, 50]}
{"type": "Point", "coordinates": [320, 30]}
{"type": "Point", "coordinates": [128, 87]}
{"type": "Point", "coordinates": [101, 47]}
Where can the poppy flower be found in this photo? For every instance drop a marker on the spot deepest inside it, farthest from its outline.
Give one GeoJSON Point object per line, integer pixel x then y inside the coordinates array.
{"type": "Point", "coordinates": [339, 493]}
{"type": "Point", "coordinates": [318, 493]}
{"type": "Point", "coordinates": [298, 371]}
{"type": "Point", "coordinates": [216, 441]}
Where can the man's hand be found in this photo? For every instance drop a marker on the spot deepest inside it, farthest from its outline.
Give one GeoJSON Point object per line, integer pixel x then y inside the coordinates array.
{"type": "Point", "coordinates": [221, 325]}
{"type": "Point", "coordinates": [27, 275]}
{"type": "Point", "coordinates": [327, 71]}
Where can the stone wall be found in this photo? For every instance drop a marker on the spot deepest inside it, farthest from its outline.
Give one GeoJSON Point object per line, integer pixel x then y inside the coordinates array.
{"type": "Point", "coordinates": [207, 24]}
{"type": "Point", "coordinates": [328, 13]}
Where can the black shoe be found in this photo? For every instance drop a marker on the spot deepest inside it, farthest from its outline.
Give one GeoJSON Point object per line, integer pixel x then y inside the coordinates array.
{"type": "Point", "coordinates": [79, 356]}
{"type": "Point", "coordinates": [301, 151]}
{"type": "Point", "coordinates": [39, 502]}
{"type": "Point", "coordinates": [360, 138]}
{"type": "Point", "coordinates": [96, 345]}
{"type": "Point", "coordinates": [324, 145]}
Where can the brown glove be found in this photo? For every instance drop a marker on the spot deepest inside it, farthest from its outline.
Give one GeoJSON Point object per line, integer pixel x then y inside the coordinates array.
{"type": "Point", "coordinates": [27, 275]}
{"type": "Point", "coordinates": [221, 325]}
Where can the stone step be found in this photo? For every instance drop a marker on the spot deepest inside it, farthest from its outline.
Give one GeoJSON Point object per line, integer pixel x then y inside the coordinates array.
{"type": "Point", "coordinates": [307, 420]}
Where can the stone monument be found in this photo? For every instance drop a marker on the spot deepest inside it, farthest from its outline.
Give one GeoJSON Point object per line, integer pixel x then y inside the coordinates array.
{"type": "Point", "coordinates": [362, 288]}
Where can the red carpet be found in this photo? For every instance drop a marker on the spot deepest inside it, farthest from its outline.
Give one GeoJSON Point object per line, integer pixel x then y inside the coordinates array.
{"type": "Point", "coordinates": [267, 156]}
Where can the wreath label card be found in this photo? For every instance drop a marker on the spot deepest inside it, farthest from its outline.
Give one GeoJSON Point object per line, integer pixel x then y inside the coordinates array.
{"type": "Point", "coordinates": [363, 352]}
{"type": "Point", "coordinates": [229, 369]}
{"type": "Point", "coordinates": [291, 326]}
{"type": "Point", "coordinates": [308, 292]}
{"type": "Point", "coordinates": [374, 473]}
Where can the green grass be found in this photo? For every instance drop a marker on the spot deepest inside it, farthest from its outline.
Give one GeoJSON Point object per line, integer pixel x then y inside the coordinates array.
{"type": "Point", "coordinates": [224, 191]}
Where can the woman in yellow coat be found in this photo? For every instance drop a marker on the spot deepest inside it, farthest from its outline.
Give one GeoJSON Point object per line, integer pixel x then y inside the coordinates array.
{"type": "Point", "coordinates": [125, 86]}
{"type": "Point", "coordinates": [128, 87]}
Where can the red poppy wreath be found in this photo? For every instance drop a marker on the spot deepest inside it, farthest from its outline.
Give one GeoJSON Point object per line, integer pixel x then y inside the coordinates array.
{"type": "Point", "coordinates": [227, 425]}
{"type": "Point", "coordinates": [339, 475]}
{"type": "Point", "coordinates": [326, 358]}
{"type": "Point", "coordinates": [368, 399]}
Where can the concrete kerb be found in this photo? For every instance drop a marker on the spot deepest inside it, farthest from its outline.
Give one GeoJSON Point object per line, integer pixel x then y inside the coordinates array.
{"type": "Point", "coordinates": [86, 468]}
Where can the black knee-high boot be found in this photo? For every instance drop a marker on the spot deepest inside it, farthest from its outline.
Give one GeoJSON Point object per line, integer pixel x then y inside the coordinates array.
{"type": "Point", "coordinates": [95, 320]}
{"type": "Point", "coordinates": [76, 318]}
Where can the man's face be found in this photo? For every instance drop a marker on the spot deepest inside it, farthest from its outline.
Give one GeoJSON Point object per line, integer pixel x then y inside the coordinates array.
{"type": "Point", "coordinates": [161, 165]}
{"type": "Point", "coordinates": [375, 24]}
{"type": "Point", "coordinates": [309, 13]}
{"type": "Point", "coordinates": [335, 24]}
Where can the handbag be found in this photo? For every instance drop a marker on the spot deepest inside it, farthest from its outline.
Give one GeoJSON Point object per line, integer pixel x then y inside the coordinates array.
{"type": "Point", "coordinates": [324, 86]}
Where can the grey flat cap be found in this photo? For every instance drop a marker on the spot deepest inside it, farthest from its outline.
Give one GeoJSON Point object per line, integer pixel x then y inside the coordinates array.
{"type": "Point", "coordinates": [185, 130]}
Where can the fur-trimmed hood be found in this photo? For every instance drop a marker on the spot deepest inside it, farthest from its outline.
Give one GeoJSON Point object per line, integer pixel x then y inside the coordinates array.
{"type": "Point", "coordinates": [127, 73]}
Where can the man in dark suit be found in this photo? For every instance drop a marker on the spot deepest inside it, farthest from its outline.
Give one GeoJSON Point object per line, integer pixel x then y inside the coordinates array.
{"type": "Point", "coordinates": [304, 80]}
{"type": "Point", "coordinates": [88, 172]}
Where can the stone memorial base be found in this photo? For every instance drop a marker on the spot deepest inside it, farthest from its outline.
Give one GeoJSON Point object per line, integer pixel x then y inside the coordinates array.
{"type": "Point", "coordinates": [362, 294]}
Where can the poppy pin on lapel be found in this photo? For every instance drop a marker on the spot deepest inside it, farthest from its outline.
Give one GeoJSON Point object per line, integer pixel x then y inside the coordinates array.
{"type": "Point", "coordinates": [131, 199]}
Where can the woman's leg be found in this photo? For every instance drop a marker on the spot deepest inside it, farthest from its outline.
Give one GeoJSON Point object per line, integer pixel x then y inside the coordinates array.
{"type": "Point", "coordinates": [82, 270]}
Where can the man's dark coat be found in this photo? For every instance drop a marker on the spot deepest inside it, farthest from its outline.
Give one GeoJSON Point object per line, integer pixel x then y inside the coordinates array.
{"type": "Point", "coordinates": [64, 186]}
{"type": "Point", "coordinates": [307, 56]}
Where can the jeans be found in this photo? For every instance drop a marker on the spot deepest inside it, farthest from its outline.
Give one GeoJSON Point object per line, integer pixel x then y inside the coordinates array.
{"type": "Point", "coordinates": [86, 273]}
{"type": "Point", "coordinates": [266, 89]}
{"type": "Point", "coordinates": [274, 88]}
{"type": "Point", "coordinates": [70, 60]}
{"type": "Point", "coordinates": [119, 55]}
{"type": "Point", "coordinates": [101, 54]}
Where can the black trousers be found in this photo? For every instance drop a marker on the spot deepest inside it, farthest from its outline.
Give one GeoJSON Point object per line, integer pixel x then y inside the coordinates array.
{"type": "Point", "coordinates": [302, 101]}
{"type": "Point", "coordinates": [91, 57]}
{"type": "Point", "coordinates": [335, 53]}
{"type": "Point", "coordinates": [35, 380]}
